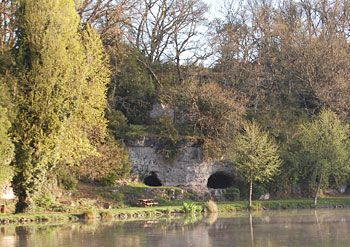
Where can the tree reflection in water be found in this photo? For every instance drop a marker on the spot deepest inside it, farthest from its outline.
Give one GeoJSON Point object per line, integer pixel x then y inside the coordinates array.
{"type": "Point", "coordinates": [274, 228]}
{"type": "Point", "coordinates": [251, 230]}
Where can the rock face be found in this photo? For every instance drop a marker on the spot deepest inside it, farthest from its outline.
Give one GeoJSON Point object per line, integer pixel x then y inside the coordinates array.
{"type": "Point", "coordinates": [188, 170]}
{"type": "Point", "coordinates": [159, 110]}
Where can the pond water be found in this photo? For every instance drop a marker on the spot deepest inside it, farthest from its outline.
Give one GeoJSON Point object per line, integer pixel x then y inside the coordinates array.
{"type": "Point", "coordinates": [274, 228]}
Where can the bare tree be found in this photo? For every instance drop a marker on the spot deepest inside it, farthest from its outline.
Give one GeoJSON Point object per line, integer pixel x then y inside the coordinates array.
{"type": "Point", "coordinates": [164, 30]}
{"type": "Point", "coordinates": [110, 17]}
{"type": "Point", "coordinates": [295, 51]}
{"type": "Point", "coordinates": [7, 23]}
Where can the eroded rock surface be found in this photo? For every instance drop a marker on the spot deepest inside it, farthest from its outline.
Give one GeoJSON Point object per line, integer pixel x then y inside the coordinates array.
{"type": "Point", "coordinates": [188, 170]}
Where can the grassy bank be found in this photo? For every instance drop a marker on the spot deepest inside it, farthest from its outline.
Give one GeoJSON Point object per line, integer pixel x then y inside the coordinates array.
{"type": "Point", "coordinates": [330, 202]}
{"type": "Point", "coordinates": [162, 210]}
{"type": "Point", "coordinates": [38, 217]}
{"type": "Point", "coordinates": [130, 212]}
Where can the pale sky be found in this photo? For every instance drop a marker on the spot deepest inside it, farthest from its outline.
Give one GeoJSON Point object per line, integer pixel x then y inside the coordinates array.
{"type": "Point", "coordinates": [214, 8]}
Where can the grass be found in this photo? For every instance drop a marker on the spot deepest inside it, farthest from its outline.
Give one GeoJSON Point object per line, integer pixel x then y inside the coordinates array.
{"type": "Point", "coordinates": [137, 212]}
{"type": "Point", "coordinates": [38, 217]}
{"type": "Point", "coordinates": [333, 202]}
{"type": "Point", "coordinates": [88, 202]}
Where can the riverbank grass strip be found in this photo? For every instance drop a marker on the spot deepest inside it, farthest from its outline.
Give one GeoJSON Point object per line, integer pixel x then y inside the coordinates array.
{"type": "Point", "coordinates": [137, 212]}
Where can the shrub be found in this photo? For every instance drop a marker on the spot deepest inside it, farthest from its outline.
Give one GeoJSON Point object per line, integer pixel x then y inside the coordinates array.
{"type": "Point", "coordinates": [109, 180]}
{"type": "Point", "coordinates": [211, 207]}
{"type": "Point", "coordinates": [66, 177]}
{"type": "Point", "coordinates": [90, 215]}
{"type": "Point", "coordinates": [46, 201]}
{"type": "Point", "coordinates": [113, 163]}
{"type": "Point", "coordinates": [170, 136]}
{"type": "Point", "coordinates": [258, 191]}
{"type": "Point", "coordinates": [232, 194]}
{"type": "Point", "coordinates": [191, 208]}
{"type": "Point", "coordinates": [168, 211]}
{"type": "Point", "coordinates": [107, 215]}
{"type": "Point", "coordinates": [69, 182]}
{"type": "Point", "coordinates": [135, 131]}
{"type": "Point", "coordinates": [256, 206]}
{"type": "Point", "coordinates": [118, 124]}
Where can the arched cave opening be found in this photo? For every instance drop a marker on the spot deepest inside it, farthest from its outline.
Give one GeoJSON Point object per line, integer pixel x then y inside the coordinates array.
{"type": "Point", "coordinates": [220, 180]}
{"type": "Point", "coordinates": [152, 180]}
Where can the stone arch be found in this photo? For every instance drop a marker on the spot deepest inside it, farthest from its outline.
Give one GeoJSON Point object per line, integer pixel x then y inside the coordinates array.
{"type": "Point", "coordinates": [152, 180]}
{"type": "Point", "coordinates": [220, 180]}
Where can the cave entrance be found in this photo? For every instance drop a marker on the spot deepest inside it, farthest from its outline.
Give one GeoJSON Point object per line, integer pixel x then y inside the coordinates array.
{"type": "Point", "coordinates": [152, 180]}
{"type": "Point", "coordinates": [220, 180]}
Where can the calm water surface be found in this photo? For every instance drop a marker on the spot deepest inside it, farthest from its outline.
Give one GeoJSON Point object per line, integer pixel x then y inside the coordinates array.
{"type": "Point", "coordinates": [279, 228]}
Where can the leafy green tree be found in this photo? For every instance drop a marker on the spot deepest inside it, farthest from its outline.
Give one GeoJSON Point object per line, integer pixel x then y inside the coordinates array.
{"type": "Point", "coordinates": [255, 156]}
{"type": "Point", "coordinates": [325, 147]}
{"type": "Point", "coordinates": [132, 91]}
{"type": "Point", "coordinates": [6, 145]}
{"type": "Point", "coordinates": [61, 91]}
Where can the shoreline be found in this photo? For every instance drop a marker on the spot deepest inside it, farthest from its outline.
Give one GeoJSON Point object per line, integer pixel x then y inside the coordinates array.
{"type": "Point", "coordinates": [160, 211]}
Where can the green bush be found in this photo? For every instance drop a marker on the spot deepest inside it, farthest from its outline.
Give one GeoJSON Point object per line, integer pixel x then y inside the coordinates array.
{"type": "Point", "coordinates": [232, 194]}
{"type": "Point", "coordinates": [107, 215]}
{"type": "Point", "coordinates": [166, 130]}
{"type": "Point", "coordinates": [112, 164]}
{"type": "Point", "coordinates": [168, 211]}
{"type": "Point", "coordinates": [110, 179]}
{"type": "Point", "coordinates": [191, 208]}
{"type": "Point", "coordinates": [69, 182]}
{"type": "Point", "coordinates": [256, 206]}
{"type": "Point", "coordinates": [46, 201]}
{"type": "Point", "coordinates": [90, 215]}
{"type": "Point", "coordinates": [118, 124]}
{"type": "Point", "coordinates": [66, 177]}
{"type": "Point", "coordinates": [133, 91]}
{"type": "Point", "coordinates": [135, 131]}
{"type": "Point", "coordinates": [258, 191]}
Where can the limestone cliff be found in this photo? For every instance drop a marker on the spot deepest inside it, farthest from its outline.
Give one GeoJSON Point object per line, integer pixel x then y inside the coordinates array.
{"type": "Point", "coordinates": [187, 170]}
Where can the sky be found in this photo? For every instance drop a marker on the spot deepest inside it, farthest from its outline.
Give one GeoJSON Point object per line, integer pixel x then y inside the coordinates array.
{"type": "Point", "coordinates": [214, 8]}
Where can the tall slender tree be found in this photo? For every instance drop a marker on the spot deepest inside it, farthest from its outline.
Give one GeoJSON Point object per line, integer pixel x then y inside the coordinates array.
{"type": "Point", "coordinates": [61, 93]}
{"type": "Point", "coordinates": [255, 156]}
{"type": "Point", "coordinates": [325, 146]}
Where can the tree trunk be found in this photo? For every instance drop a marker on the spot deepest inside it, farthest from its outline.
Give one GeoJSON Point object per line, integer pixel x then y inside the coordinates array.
{"type": "Point", "coordinates": [28, 181]}
{"type": "Point", "coordinates": [178, 69]}
{"type": "Point", "coordinates": [24, 205]}
{"type": "Point", "coordinates": [250, 193]}
{"type": "Point", "coordinates": [317, 191]}
{"type": "Point", "coordinates": [24, 193]}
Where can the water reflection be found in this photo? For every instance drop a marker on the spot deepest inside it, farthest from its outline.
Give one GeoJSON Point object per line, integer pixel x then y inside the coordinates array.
{"type": "Point", "coordinates": [285, 228]}
{"type": "Point", "coordinates": [7, 238]}
{"type": "Point", "coordinates": [251, 230]}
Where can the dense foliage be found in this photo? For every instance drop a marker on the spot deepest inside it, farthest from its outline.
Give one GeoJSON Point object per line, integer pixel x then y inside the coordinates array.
{"type": "Point", "coordinates": [61, 93]}
{"type": "Point", "coordinates": [6, 145]}
{"type": "Point", "coordinates": [65, 65]}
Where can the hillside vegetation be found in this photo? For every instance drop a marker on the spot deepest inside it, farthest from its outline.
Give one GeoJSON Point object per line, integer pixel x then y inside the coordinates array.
{"type": "Point", "coordinates": [78, 78]}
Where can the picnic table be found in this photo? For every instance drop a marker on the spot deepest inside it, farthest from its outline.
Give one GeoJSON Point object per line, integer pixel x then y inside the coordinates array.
{"type": "Point", "coordinates": [146, 202]}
